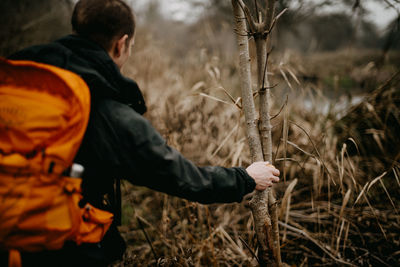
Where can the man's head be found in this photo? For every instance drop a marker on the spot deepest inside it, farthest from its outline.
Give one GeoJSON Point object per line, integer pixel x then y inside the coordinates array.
{"type": "Point", "coordinates": [110, 23]}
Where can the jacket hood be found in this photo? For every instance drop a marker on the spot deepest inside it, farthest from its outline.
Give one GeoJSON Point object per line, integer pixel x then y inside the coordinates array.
{"type": "Point", "coordinates": [93, 64]}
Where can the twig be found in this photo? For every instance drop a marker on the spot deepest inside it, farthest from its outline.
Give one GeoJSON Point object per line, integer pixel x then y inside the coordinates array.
{"type": "Point", "coordinates": [147, 238]}
{"type": "Point", "coordinates": [280, 110]}
{"type": "Point", "coordinates": [251, 251]}
{"type": "Point", "coordinates": [315, 148]}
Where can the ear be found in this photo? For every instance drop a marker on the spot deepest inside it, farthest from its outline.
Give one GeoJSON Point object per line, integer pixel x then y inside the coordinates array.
{"type": "Point", "coordinates": [120, 46]}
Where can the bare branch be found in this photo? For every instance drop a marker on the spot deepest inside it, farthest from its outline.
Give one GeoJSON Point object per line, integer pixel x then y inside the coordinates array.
{"type": "Point", "coordinates": [249, 17]}
{"type": "Point", "coordinates": [276, 20]}
{"type": "Point", "coordinates": [280, 110]}
{"type": "Point", "coordinates": [269, 14]}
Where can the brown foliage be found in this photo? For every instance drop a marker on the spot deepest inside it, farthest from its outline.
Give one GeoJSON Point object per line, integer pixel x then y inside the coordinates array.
{"type": "Point", "coordinates": [333, 209]}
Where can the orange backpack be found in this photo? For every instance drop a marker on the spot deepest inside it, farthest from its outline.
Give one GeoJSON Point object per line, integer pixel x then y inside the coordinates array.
{"type": "Point", "coordinates": [44, 111]}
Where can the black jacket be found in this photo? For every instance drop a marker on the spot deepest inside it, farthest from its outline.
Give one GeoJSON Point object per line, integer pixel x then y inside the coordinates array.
{"type": "Point", "coordinates": [120, 143]}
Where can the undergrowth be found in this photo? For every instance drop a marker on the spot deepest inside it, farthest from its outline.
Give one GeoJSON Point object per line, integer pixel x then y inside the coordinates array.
{"type": "Point", "coordinates": [337, 207]}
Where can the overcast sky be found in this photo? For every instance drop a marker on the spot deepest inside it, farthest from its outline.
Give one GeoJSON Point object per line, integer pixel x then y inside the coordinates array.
{"type": "Point", "coordinates": [381, 15]}
{"type": "Point", "coordinates": [179, 10]}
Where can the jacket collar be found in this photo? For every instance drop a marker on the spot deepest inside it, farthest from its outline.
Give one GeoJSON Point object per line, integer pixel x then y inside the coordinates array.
{"type": "Point", "coordinates": [101, 73]}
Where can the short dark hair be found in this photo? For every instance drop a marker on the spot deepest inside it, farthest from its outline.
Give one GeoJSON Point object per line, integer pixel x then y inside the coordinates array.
{"type": "Point", "coordinates": [103, 21]}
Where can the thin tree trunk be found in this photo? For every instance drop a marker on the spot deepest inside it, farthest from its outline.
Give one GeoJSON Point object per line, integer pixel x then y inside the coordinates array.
{"type": "Point", "coordinates": [260, 202]}
{"type": "Point", "coordinates": [262, 39]}
{"type": "Point", "coordinates": [249, 109]}
{"type": "Point", "coordinates": [264, 93]}
{"type": "Point", "coordinates": [263, 204]}
{"type": "Point", "coordinates": [265, 129]}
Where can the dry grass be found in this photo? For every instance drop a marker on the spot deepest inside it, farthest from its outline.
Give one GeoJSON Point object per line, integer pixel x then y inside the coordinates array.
{"type": "Point", "coordinates": [335, 210]}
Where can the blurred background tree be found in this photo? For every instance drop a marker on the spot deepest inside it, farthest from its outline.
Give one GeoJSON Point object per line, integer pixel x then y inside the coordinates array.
{"type": "Point", "coordinates": [25, 22]}
{"type": "Point", "coordinates": [307, 26]}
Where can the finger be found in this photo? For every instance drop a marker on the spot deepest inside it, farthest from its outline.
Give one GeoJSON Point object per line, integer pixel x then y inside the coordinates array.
{"type": "Point", "coordinates": [276, 172]}
{"type": "Point", "coordinates": [275, 179]}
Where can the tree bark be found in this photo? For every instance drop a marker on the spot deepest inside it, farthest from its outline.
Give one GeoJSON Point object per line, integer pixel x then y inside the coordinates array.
{"type": "Point", "coordinates": [263, 204]}
{"type": "Point", "coordinates": [262, 38]}
{"type": "Point", "coordinates": [249, 109]}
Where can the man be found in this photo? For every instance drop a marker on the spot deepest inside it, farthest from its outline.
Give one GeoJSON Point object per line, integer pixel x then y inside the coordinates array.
{"type": "Point", "coordinates": [119, 142]}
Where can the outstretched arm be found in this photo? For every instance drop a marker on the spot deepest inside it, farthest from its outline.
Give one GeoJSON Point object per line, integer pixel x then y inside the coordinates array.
{"type": "Point", "coordinates": [150, 162]}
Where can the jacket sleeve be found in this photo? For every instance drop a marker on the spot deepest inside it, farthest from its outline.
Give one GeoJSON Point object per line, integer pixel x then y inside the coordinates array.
{"type": "Point", "coordinates": [148, 161]}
